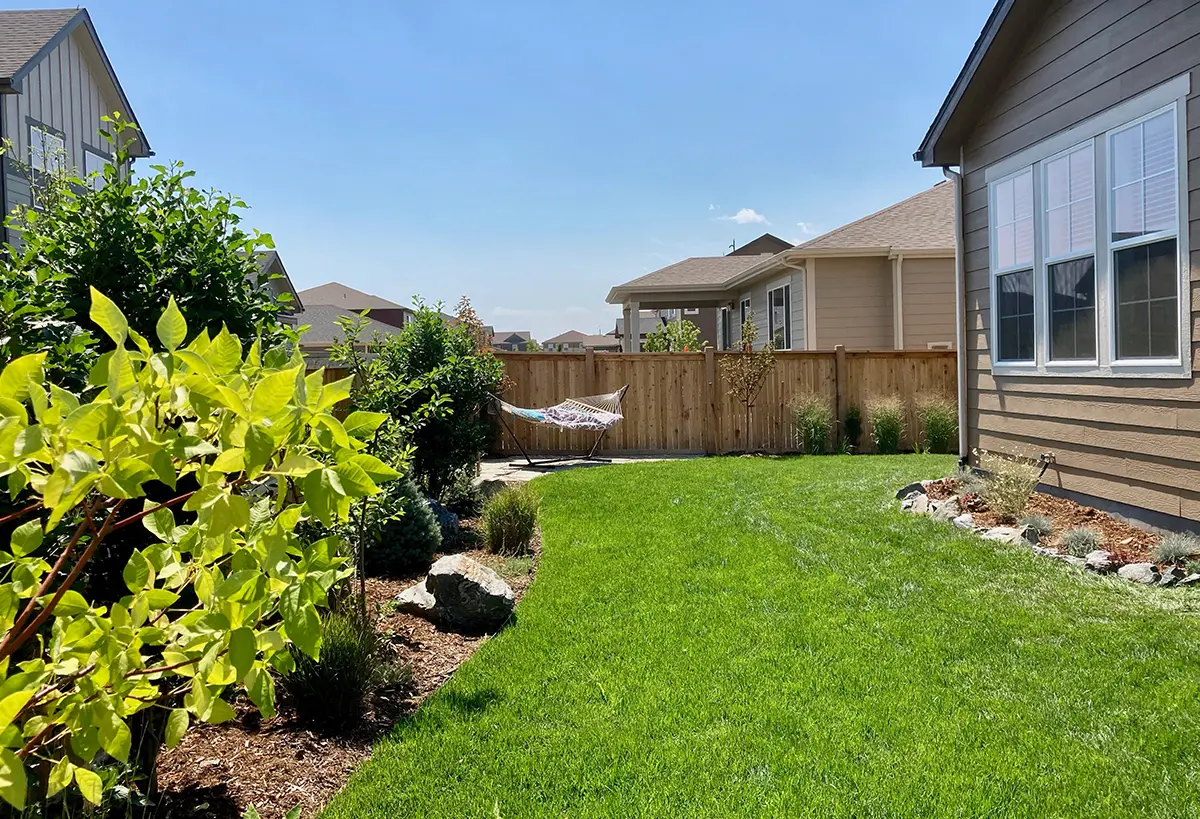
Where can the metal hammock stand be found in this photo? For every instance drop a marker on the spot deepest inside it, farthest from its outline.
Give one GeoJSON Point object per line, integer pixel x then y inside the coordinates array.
{"type": "Point", "coordinates": [594, 412]}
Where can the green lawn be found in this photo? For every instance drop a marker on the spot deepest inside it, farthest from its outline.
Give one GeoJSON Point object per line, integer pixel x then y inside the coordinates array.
{"type": "Point", "coordinates": [759, 637]}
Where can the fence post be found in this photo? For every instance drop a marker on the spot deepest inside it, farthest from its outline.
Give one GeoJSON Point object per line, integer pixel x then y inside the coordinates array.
{"type": "Point", "coordinates": [840, 379]}
{"type": "Point", "coordinates": [589, 370]}
{"type": "Point", "coordinates": [711, 444]}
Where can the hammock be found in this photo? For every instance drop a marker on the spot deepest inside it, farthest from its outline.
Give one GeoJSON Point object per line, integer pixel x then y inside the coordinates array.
{"type": "Point", "coordinates": [595, 413]}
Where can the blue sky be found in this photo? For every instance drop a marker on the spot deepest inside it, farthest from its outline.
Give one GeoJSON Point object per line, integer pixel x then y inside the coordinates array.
{"type": "Point", "coordinates": [533, 154]}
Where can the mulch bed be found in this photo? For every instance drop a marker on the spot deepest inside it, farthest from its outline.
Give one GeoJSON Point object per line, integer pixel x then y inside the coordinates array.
{"type": "Point", "coordinates": [220, 770]}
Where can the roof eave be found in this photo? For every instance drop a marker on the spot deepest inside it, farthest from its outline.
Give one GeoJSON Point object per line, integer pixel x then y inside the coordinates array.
{"type": "Point", "coordinates": [617, 294]}
{"type": "Point", "coordinates": [928, 154]}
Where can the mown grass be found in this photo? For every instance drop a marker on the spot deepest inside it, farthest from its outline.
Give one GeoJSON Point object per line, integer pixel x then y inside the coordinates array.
{"type": "Point", "coordinates": [755, 637]}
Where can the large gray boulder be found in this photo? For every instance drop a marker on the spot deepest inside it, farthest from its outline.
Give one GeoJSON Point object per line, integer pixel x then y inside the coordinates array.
{"type": "Point", "coordinates": [1101, 561]}
{"type": "Point", "coordinates": [469, 596]}
{"type": "Point", "coordinates": [1006, 534]}
{"type": "Point", "coordinates": [945, 510]}
{"type": "Point", "coordinates": [1144, 573]}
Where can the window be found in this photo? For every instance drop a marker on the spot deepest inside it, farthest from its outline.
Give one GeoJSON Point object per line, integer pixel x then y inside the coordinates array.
{"type": "Point", "coordinates": [47, 150]}
{"type": "Point", "coordinates": [94, 163]}
{"type": "Point", "coordinates": [745, 315]}
{"type": "Point", "coordinates": [1012, 251]}
{"type": "Point", "coordinates": [779, 318]}
{"type": "Point", "coordinates": [1088, 260]}
{"type": "Point", "coordinates": [726, 316]}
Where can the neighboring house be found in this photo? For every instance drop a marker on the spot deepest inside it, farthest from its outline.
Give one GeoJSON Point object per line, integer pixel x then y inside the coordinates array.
{"type": "Point", "coordinates": [574, 341]}
{"type": "Point", "coordinates": [55, 85]}
{"type": "Point", "coordinates": [883, 282]}
{"type": "Point", "coordinates": [324, 329]}
{"type": "Point", "coordinates": [648, 322]}
{"type": "Point", "coordinates": [344, 297]}
{"type": "Point", "coordinates": [273, 277]}
{"type": "Point", "coordinates": [1076, 129]}
{"type": "Point", "coordinates": [511, 340]}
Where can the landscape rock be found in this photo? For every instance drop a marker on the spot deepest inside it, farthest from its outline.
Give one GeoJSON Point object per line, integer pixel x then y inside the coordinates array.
{"type": "Point", "coordinates": [1172, 576]}
{"type": "Point", "coordinates": [917, 504]}
{"type": "Point", "coordinates": [1100, 561]}
{"type": "Point", "coordinates": [946, 510]}
{"type": "Point", "coordinates": [1190, 580]}
{"type": "Point", "coordinates": [912, 489]}
{"type": "Point", "coordinates": [1006, 534]}
{"type": "Point", "coordinates": [468, 595]}
{"type": "Point", "coordinates": [964, 521]}
{"type": "Point", "coordinates": [416, 599]}
{"type": "Point", "coordinates": [1144, 573]}
{"type": "Point", "coordinates": [1079, 562]}
{"type": "Point", "coordinates": [1042, 551]}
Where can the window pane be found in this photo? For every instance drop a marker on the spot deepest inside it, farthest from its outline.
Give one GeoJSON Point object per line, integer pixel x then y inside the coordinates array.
{"type": "Point", "coordinates": [1147, 300]}
{"type": "Point", "coordinates": [1126, 152]}
{"type": "Point", "coordinates": [1127, 216]}
{"type": "Point", "coordinates": [1058, 238]}
{"type": "Point", "coordinates": [1158, 137]}
{"type": "Point", "coordinates": [1024, 241]}
{"type": "Point", "coordinates": [1005, 249]}
{"type": "Point", "coordinates": [1023, 195]}
{"type": "Point", "coordinates": [1072, 310]}
{"type": "Point", "coordinates": [1082, 169]}
{"type": "Point", "coordinates": [1004, 202]}
{"type": "Point", "coordinates": [1083, 226]}
{"type": "Point", "coordinates": [1015, 306]}
{"type": "Point", "coordinates": [1058, 182]}
{"type": "Point", "coordinates": [1161, 193]}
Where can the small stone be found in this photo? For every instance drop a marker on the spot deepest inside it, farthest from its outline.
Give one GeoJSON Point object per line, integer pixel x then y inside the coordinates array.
{"type": "Point", "coordinates": [1190, 580]}
{"type": "Point", "coordinates": [1042, 551]}
{"type": "Point", "coordinates": [1171, 577]}
{"type": "Point", "coordinates": [1005, 534]}
{"type": "Point", "coordinates": [1144, 573]}
{"type": "Point", "coordinates": [1079, 562]}
{"type": "Point", "coordinates": [918, 505]}
{"type": "Point", "coordinates": [911, 489]}
{"type": "Point", "coordinates": [1100, 561]}
{"type": "Point", "coordinates": [964, 521]}
{"type": "Point", "coordinates": [946, 510]}
{"type": "Point", "coordinates": [416, 599]}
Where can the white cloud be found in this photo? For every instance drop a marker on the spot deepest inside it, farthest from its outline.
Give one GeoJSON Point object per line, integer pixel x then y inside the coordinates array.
{"type": "Point", "coordinates": [746, 216]}
{"type": "Point", "coordinates": [808, 228]}
{"type": "Point", "coordinates": [713, 207]}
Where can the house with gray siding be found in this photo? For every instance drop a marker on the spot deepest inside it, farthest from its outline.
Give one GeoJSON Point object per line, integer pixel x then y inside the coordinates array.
{"type": "Point", "coordinates": [56, 84]}
{"type": "Point", "coordinates": [883, 282]}
{"type": "Point", "coordinates": [1072, 136]}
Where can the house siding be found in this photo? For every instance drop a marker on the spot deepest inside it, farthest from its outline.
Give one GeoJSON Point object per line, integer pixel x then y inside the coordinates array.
{"type": "Point", "coordinates": [854, 304]}
{"type": "Point", "coordinates": [1133, 441]}
{"type": "Point", "coordinates": [68, 91]}
{"type": "Point", "coordinates": [928, 302]}
{"type": "Point", "coordinates": [758, 305]}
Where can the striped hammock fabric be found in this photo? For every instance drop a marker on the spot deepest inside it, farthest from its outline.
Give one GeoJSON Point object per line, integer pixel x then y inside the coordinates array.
{"type": "Point", "coordinates": [594, 412]}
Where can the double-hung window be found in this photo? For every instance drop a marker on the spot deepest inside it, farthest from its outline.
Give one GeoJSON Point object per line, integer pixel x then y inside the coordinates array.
{"type": "Point", "coordinates": [744, 314]}
{"type": "Point", "coordinates": [1089, 260]}
{"type": "Point", "coordinates": [779, 317]}
{"type": "Point", "coordinates": [94, 163]}
{"type": "Point", "coordinates": [47, 150]}
{"type": "Point", "coordinates": [726, 330]}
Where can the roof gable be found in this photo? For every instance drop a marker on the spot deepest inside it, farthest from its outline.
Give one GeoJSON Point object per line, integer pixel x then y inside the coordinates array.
{"type": "Point", "coordinates": [323, 327]}
{"type": "Point", "coordinates": [1006, 31]}
{"type": "Point", "coordinates": [763, 245]}
{"type": "Point", "coordinates": [344, 296]}
{"type": "Point", "coordinates": [922, 222]}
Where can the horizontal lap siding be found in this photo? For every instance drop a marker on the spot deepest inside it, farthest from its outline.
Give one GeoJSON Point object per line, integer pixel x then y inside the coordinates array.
{"type": "Point", "coordinates": [1136, 441]}
{"type": "Point", "coordinates": [854, 303]}
{"type": "Point", "coordinates": [928, 302]}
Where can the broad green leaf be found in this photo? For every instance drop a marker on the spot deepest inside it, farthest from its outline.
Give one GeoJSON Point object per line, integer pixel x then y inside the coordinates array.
{"type": "Point", "coordinates": [12, 779]}
{"type": "Point", "coordinates": [68, 402]}
{"type": "Point", "coordinates": [218, 711]}
{"type": "Point", "coordinates": [251, 813]}
{"type": "Point", "coordinates": [108, 317]}
{"type": "Point", "coordinates": [260, 685]}
{"type": "Point", "coordinates": [230, 460]}
{"type": "Point", "coordinates": [160, 523]}
{"type": "Point", "coordinates": [225, 352]}
{"type": "Point", "coordinates": [294, 813]}
{"type": "Point", "coordinates": [124, 477]}
{"type": "Point", "coordinates": [70, 604]}
{"type": "Point", "coordinates": [171, 327]}
{"type": "Point", "coordinates": [16, 377]}
{"type": "Point", "coordinates": [60, 776]}
{"type": "Point", "coordinates": [11, 705]}
{"type": "Point", "coordinates": [115, 737]}
{"type": "Point", "coordinates": [159, 599]}
{"type": "Point", "coordinates": [79, 463]}
{"type": "Point", "coordinates": [260, 446]}
{"type": "Point", "coordinates": [363, 424]}
{"type": "Point", "coordinates": [297, 466]}
{"type": "Point", "coordinates": [375, 468]}
{"type": "Point", "coordinates": [355, 480]}
{"type": "Point", "coordinates": [271, 395]}
{"type": "Point", "coordinates": [242, 650]}
{"type": "Point", "coordinates": [195, 362]}
{"type": "Point", "coordinates": [137, 572]}
{"type": "Point", "coordinates": [120, 375]}
{"type": "Point", "coordinates": [89, 785]}
{"type": "Point", "coordinates": [335, 393]}
{"type": "Point", "coordinates": [26, 538]}
{"type": "Point", "coordinates": [323, 492]}
{"type": "Point", "coordinates": [177, 725]}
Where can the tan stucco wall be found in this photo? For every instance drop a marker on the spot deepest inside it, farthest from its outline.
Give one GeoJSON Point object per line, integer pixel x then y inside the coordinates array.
{"type": "Point", "coordinates": [854, 303]}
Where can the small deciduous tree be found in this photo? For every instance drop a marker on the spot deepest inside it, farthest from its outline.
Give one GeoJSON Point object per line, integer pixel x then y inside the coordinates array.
{"type": "Point", "coordinates": [247, 448]}
{"type": "Point", "coordinates": [747, 371]}
{"type": "Point", "coordinates": [675, 337]}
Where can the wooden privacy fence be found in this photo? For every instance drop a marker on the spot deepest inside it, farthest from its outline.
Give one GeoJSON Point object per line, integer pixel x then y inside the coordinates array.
{"type": "Point", "coordinates": [680, 402]}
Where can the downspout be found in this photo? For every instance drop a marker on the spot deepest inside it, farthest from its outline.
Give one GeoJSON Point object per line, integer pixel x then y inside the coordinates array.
{"type": "Point", "coordinates": [3, 181]}
{"type": "Point", "coordinates": [960, 314]}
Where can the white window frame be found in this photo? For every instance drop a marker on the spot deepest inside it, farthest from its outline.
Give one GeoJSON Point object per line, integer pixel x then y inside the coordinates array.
{"type": "Point", "coordinates": [996, 271]}
{"type": "Point", "coordinates": [1099, 130]}
{"type": "Point", "coordinates": [62, 158]}
{"type": "Point", "coordinates": [745, 312]}
{"type": "Point", "coordinates": [97, 181]}
{"type": "Point", "coordinates": [786, 287]}
{"type": "Point", "coordinates": [725, 331]}
{"type": "Point", "coordinates": [1041, 273]}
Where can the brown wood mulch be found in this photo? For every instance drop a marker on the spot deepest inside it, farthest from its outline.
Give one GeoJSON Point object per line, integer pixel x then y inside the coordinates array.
{"type": "Point", "coordinates": [220, 770]}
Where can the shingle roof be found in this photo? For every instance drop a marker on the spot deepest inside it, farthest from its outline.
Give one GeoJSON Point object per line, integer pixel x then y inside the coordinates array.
{"type": "Point", "coordinates": [586, 339]}
{"type": "Point", "coordinates": [324, 329]}
{"type": "Point", "coordinates": [24, 32]}
{"type": "Point", "coordinates": [698, 270]}
{"type": "Point", "coordinates": [344, 296]}
{"type": "Point", "coordinates": [921, 222]}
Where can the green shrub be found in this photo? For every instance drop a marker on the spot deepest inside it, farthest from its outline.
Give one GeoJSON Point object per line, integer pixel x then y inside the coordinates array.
{"type": "Point", "coordinates": [675, 337]}
{"type": "Point", "coordinates": [403, 532]}
{"type": "Point", "coordinates": [331, 692]}
{"type": "Point", "coordinates": [509, 519]}
{"type": "Point", "coordinates": [938, 415]}
{"type": "Point", "coordinates": [1177, 548]}
{"type": "Point", "coordinates": [1040, 525]}
{"type": "Point", "coordinates": [852, 433]}
{"type": "Point", "coordinates": [462, 495]}
{"type": "Point", "coordinates": [1080, 541]}
{"type": "Point", "coordinates": [886, 414]}
{"type": "Point", "coordinates": [814, 421]}
{"type": "Point", "coordinates": [1009, 483]}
